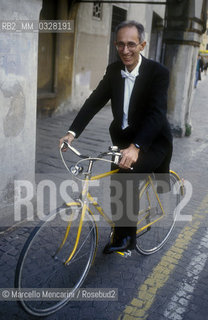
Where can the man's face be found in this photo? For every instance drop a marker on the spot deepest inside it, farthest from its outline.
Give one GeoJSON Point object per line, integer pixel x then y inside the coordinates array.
{"type": "Point", "coordinates": [129, 54]}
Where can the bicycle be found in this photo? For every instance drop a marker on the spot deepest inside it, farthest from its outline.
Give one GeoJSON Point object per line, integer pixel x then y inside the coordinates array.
{"type": "Point", "coordinates": [59, 253]}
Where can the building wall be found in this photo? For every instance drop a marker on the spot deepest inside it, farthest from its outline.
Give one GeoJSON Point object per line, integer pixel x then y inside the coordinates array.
{"type": "Point", "coordinates": [204, 46]}
{"type": "Point", "coordinates": [18, 87]}
{"type": "Point", "coordinates": [91, 51]}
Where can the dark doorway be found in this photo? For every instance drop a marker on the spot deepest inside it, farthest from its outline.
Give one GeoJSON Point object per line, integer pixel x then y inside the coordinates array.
{"type": "Point", "coordinates": [118, 16]}
{"type": "Point", "coordinates": [156, 38]}
{"type": "Point", "coordinates": [46, 52]}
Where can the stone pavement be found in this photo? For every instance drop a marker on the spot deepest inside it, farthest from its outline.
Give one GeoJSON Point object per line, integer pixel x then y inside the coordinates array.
{"type": "Point", "coordinates": [172, 283]}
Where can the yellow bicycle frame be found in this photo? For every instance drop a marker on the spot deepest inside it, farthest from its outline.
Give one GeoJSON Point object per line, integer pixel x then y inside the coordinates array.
{"type": "Point", "coordinates": [87, 197]}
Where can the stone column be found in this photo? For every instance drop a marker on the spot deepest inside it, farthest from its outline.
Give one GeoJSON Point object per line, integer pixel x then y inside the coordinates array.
{"type": "Point", "coordinates": [182, 35]}
{"type": "Point", "coordinates": [18, 90]}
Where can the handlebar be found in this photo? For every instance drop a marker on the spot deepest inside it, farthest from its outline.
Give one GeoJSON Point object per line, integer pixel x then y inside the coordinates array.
{"type": "Point", "coordinates": [77, 168]}
{"type": "Point", "coordinates": [113, 151]}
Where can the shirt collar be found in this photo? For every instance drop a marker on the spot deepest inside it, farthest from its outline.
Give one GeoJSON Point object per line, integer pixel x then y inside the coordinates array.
{"type": "Point", "coordinates": [135, 71]}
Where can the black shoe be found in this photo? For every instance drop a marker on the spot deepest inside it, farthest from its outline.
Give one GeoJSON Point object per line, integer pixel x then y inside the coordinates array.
{"type": "Point", "coordinates": [127, 243]}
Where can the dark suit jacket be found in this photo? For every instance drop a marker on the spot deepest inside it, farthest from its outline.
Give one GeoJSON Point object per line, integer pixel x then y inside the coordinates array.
{"type": "Point", "coordinates": [147, 108]}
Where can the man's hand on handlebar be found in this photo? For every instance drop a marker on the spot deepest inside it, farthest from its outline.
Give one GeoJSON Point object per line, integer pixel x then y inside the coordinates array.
{"type": "Point", "coordinates": [129, 157]}
{"type": "Point", "coordinates": [68, 138]}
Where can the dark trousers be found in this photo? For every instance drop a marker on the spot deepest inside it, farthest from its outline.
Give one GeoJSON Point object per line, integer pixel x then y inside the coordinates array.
{"type": "Point", "coordinates": [126, 183]}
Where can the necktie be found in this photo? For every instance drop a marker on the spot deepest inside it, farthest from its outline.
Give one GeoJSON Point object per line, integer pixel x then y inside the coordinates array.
{"type": "Point", "coordinates": [127, 75]}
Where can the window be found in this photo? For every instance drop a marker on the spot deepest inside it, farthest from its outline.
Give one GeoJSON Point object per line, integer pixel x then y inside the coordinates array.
{"type": "Point", "coordinates": [97, 10]}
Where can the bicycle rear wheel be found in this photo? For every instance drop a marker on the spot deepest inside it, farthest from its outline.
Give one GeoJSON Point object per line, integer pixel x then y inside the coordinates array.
{"type": "Point", "coordinates": [41, 266]}
{"type": "Point", "coordinates": [156, 219]}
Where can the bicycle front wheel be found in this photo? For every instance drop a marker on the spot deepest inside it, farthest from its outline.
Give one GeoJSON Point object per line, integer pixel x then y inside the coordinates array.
{"type": "Point", "coordinates": [42, 265]}
{"type": "Point", "coordinates": [157, 215]}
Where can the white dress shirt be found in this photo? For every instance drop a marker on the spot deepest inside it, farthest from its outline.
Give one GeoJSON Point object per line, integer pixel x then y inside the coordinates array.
{"type": "Point", "coordinates": [130, 78]}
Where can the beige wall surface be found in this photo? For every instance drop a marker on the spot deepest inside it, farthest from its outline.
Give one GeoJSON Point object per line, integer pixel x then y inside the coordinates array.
{"type": "Point", "coordinates": [18, 96]}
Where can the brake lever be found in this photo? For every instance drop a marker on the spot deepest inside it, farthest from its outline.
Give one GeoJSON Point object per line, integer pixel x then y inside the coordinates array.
{"type": "Point", "coordinates": [66, 144]}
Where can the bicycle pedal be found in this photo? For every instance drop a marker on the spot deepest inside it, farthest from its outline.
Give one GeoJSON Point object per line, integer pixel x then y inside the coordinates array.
{"type": "Point", "coordinates": [124, 254]}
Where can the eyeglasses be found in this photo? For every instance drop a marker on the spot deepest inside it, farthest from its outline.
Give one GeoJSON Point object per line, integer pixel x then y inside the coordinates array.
{"type": "Point", "coordinates": [130, 45]}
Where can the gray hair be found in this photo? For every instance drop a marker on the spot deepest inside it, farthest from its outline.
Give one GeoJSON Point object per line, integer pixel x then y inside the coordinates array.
{"type": "Point", "coordinates": [132, 23]}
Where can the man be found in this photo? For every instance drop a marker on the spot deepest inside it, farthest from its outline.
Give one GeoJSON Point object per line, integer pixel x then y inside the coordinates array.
{"type": "Point", "coordinates": [199, 69]}
{"type": "Point", "coordinates": [137, 88]}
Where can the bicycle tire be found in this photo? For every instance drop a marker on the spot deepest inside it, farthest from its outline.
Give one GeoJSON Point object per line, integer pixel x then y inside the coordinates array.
{"type": "Point", "coordinates": [37, 260]}
{"type": "Point", "coordinates": [152, 238]}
